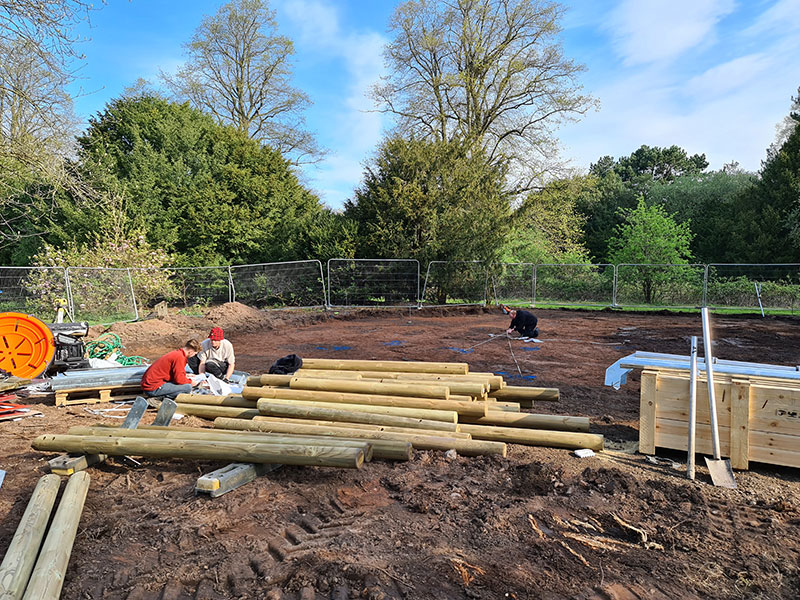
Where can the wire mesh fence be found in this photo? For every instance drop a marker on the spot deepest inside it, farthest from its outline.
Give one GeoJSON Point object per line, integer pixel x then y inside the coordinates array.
{"type": "Point", "coordinates": [101, 295]}
{"type": "Point", "coordinates": [104, 295]}
{"type": "Point", "coordinates": [513, 283]}
{"type": "Point", "coordinates": [360, 282]}
{"type": "Point", "coordinates": [660, 286]}
{"type": "Point", "coordinates": [297, 284]}
{"type": "Point", "coordinates": [753, 286]}
{"type": "Point", "coordinates": [455, 283]}
{"type": "Point", "coordinates": [193, 288]}
{"type": "Point", "coordinates": [574, 284]}
{"type": "Point", "coordinates": [33, 290]}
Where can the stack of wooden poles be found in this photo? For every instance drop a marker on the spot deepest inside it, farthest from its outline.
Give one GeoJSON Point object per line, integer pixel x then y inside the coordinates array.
{"type": "Point", "coordinates": [431, 406]}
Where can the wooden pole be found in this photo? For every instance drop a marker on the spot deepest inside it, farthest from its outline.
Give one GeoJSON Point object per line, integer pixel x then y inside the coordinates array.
{"type": "Point", "coordinates": [210, 400]}
{"type": "Point", "coordinates": [20, 557]}
{"type": "Point", "coordinates": [47, 578]}
{"type": "Point", "coordinates": [462, 407]}
{"type": "Point", "coordinates": [532, 421]}
{"type": "Point", "coordinates": [535, 437]}
{"type": "Point", "coordinates": [493, 382]}
{"type": "Point", "coordinates": [429, 414]}
{"type": "Point", "coordinates": [519, 393]}
{"type": "Point", "coordinates": [324, 456]}
{"type": "Point", "coordinates": [212, 412]}
{"type": "Point", "coordinates": [365, 426]}
{"type": "Point", "coordinates": [331, 414]}
{"type": "Point", "coordinates": [382, 449]}
{"type": "Point", "coordinates": [277, 380]}
{"type": "Point", "coordinates": [466, 388]}
{"type": "Point", "coordinates": [385, 365]}
{"type": "Point", "coordinates": [328, 374]}
{"type": "Point", "coordinates": [370, 387]}
{"type": "Point", "coordinates": [494, 406]}
{"type": "Point", "coordinates": [463, 447]}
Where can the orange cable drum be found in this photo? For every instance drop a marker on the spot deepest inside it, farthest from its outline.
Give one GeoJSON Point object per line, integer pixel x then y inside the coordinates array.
{"type": "Point", "coordinates": [26, 345]}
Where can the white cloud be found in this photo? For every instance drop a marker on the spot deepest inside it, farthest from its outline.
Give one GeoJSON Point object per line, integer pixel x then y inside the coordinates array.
{"type": "Point", "coordinates": [660, 30]}
{"type": "Point", "coordinates": [352, 130]}
{"type": "Point", "coordinates": [783, 16]}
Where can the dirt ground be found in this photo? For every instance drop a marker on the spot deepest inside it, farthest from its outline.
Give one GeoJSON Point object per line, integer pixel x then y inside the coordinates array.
{"type": "Point", "coordinates": [538, 524]}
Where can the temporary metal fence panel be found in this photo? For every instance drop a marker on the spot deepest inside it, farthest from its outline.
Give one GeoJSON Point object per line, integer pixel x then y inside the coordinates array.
{"type": "Point", "coordinates": [33, 290]}
{"type": "Point", "coordinates": [574, 284]}
{"type": "Point", "coordinates": [373, 282]}
{"type": "Point", "coordinates": [195, 287]}
{"type": "Point", "coordinates": [296, 284]}
{"type": "Point", "coordinates": [513, 283]}
{"type": "Point", "coordinates": [741, 286]}
{"type": "Point", "coordinates": [659, 285]}
{"type": "Point", "coordinates": [455, 283]}
{"type": "Point", "coordinates": [101, 295]}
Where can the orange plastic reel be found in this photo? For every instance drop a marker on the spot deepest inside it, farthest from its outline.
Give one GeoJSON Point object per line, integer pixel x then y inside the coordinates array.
{"type": "Point", "coordinates": [26, 345]}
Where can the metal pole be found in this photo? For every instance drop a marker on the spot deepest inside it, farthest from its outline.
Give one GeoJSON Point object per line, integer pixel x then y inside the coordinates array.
{"type": "Point", "coordinates": [692, 409]}
{"type": "Point", "coordinates": [533, 289]}
{"type": "Point", "coordinates": [614, 288]}
{"type": "Point", "coordinates": [710, 377]}
{"type": "Point", "coordinates": [231, 288]}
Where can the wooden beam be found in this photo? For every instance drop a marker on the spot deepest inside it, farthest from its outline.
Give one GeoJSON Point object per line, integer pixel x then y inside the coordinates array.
{"type": "Point", "coordinates": [20, 557]}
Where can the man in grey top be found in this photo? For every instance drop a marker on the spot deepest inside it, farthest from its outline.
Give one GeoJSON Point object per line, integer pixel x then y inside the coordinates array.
{"type": "Point", "coordinates": [215, 357]}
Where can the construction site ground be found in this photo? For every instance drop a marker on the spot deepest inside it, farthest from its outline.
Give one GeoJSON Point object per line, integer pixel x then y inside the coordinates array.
{"type": "Point", "coordinates": [540, 523]}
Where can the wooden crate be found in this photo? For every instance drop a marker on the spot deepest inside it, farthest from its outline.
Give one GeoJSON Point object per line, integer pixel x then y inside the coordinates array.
{"type": "Point", "coordinates": [758, 417]}
{"type": "Point", "coordinates": [96, 395]}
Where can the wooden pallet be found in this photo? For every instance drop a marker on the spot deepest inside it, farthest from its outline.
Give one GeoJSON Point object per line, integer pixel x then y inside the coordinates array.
{"type": "Point", "coordinates": [96, 395]}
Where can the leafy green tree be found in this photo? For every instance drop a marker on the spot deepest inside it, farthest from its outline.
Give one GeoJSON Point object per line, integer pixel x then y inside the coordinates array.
{"type": "Point", "coordinates": [768, 213]}
{"type": "Point", "coordinates": [238, 70]}
{"type": "Point", "coordinates": [547, 226]}
{"type": "Point", "coordinates": [707, 201]}
{"type": "Point", "coordinates": [202, 191]}
{"type": "Point", "coordinates": [620, 184]}
{"type": "Point", "coordinates": [650, 236]}
{"type": "Point", "coordinates": [491, 72]}
{"type": "Point", "coordinates": [430, 201]}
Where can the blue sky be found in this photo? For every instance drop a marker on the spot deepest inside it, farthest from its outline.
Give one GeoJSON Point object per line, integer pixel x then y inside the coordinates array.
{"type": "Point", "coordinates": [712, 76]}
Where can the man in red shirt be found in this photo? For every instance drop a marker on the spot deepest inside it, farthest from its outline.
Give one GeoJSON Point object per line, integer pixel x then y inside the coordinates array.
{"type": "Point", "coordinates": [166, 378]}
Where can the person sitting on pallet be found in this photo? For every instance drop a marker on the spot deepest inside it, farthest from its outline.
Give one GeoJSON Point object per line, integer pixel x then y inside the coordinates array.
{"type": "Point", "coordinates": [166, 378]}
{"type": "Point", "coordinates": [216, 356]}
{"type": "Point", "coordinates": [524, 322]}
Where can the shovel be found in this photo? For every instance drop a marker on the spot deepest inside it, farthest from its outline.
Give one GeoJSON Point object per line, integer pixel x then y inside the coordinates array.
{"type": "Point", "coordinates": [719, 469]}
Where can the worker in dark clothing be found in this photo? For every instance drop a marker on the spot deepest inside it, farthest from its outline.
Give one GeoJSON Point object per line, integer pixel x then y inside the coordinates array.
{"type": "Point", "coordinates": [524, 322]}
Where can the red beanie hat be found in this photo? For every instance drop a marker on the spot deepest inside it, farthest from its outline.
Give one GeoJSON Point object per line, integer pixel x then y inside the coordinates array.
{"type": "Point", "coordinates": [216, 334]}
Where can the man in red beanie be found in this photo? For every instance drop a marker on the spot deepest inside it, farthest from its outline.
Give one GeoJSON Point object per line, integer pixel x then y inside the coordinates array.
{"type": "Point", "coordinates": [166, 378]}
{"type": "Point", "coordinates": [215, 357]}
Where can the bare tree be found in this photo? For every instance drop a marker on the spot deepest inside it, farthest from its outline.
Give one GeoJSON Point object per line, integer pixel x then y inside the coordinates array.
{"type": "Point", "coordinates": [489, 71]}
{"type": "Point", "coordinates": [37, 62]}
{"type": "Point", "coordinates": [238, 70]}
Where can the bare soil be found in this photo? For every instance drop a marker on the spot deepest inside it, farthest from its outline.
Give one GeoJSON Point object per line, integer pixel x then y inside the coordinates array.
{"type": "Point", "coordinates": [540, 523]}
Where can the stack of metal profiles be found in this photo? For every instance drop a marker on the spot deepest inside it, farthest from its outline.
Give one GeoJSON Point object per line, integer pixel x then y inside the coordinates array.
{"type": "Point", "coordinates": [114, 376]}
{"type": "Point", "coordinates": [617, 374]}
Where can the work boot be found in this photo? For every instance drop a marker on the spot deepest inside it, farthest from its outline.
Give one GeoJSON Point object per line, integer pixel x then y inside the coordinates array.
{"type": "Point", "coordinates": [154, 402]}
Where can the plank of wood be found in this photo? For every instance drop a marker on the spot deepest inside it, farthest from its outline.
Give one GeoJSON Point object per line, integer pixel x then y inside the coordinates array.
{"type": "Point", "coordinates": [13, 383]}
{"type": "Point", "coordinates": [740, 423]}
{"type": "Point", "coordinates": [647, 412]}
{"type": "Point", "coordinates": [67, 464]}
{"type": "Point", "coordinates": [771, 448]}
{"type": "Point", "coordinates": [231, 477]}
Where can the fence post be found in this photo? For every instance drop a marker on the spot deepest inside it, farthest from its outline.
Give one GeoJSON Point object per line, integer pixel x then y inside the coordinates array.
{"type": "Point", "coordinates": [705, 286]}
{"type": "Point", "coordinates": [614, 288]}
{"type": "Point", "coordinates": [533, 286]}
{"type": "Point", "coordinates": [133, 296]}
{"type": "Point", "coordinates": [231, 288]}
{"type": "Point", "coordinates": [325, 292]}
{"type": "Point", "coordinates": [485, 284]}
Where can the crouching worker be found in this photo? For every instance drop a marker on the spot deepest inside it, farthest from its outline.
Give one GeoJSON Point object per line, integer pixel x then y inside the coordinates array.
{"type": "Point", "coordinates": [216, 356]}
{"type": "Point", "coordinates": [524, 322]}
{"type": "Point", "coordinates": [166, 378]}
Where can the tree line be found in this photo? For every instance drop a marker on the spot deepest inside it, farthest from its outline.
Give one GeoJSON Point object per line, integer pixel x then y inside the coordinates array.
{"type": "Point", "coordinates": [201, 168]}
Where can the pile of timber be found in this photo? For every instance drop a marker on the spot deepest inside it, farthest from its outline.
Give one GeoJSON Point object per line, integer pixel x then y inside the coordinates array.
{"type": "Point", "coordinates": [432, 406]}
